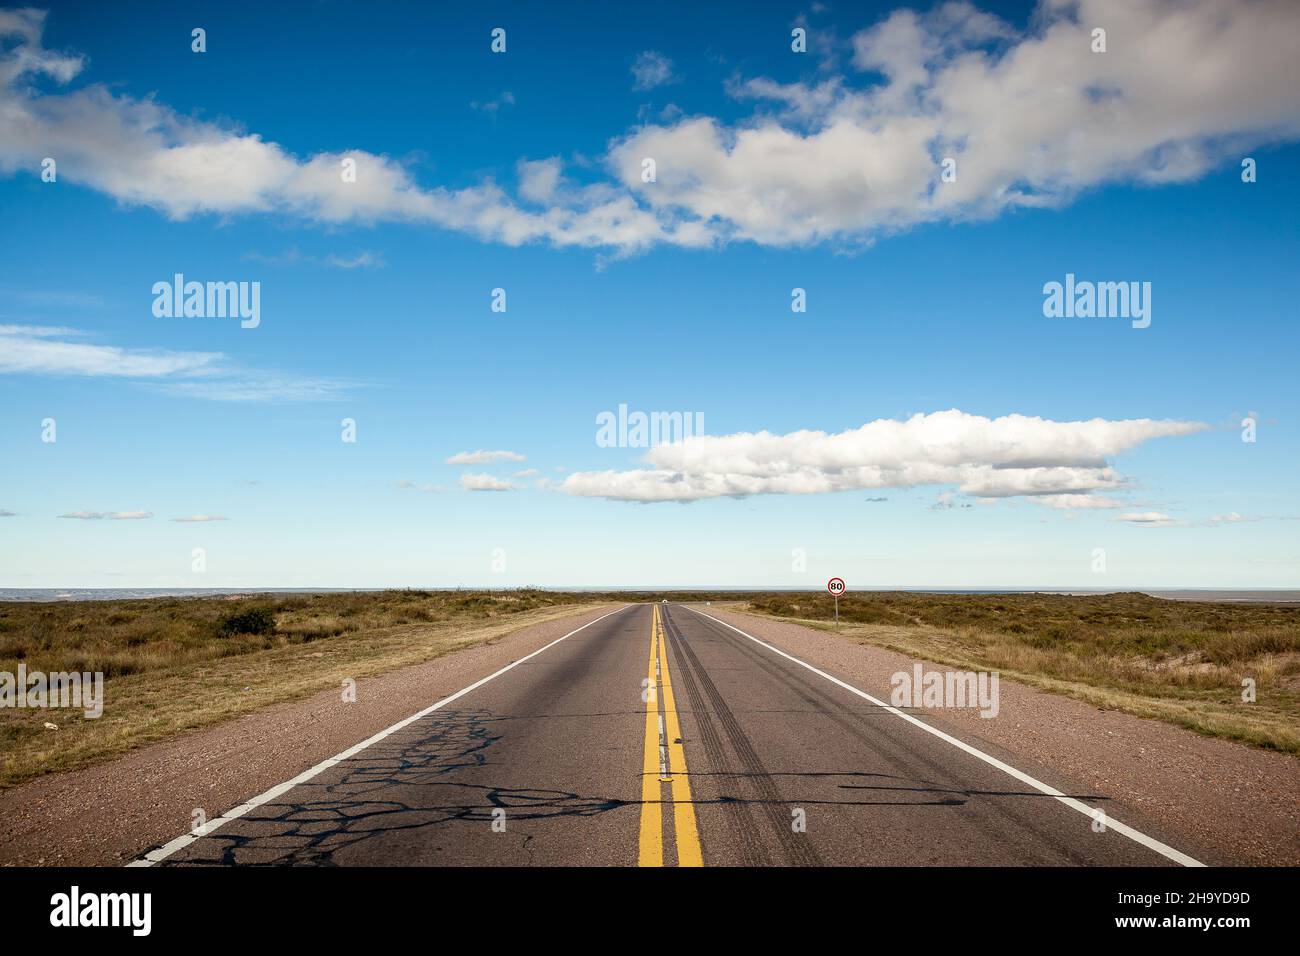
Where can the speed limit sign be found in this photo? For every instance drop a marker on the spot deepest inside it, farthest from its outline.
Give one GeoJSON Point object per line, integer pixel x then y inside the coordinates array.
{"type": "Point", "coordinates": [836, 587]}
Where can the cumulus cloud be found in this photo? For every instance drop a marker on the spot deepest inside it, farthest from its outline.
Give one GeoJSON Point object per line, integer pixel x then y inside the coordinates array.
{"type": "Point", "coordinates": [471, 481]}
{"type": "Point", "coordinates": [1032, 117]}
{"type": "Point", "coordinates": [1011, 456]}
{"type": "Point", "coordinates": [650, 69]}
{"type": "Point", "coordinates": [482, 457]}
{"type": "Point", "coordinates": [142, 152]}
{"type": "Point", "coordinates": [47, 350]}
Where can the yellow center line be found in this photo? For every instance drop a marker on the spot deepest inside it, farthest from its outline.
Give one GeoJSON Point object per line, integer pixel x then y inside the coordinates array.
{"type": "Point", "coordinates": [652, 826]}
{"type": "Point", "coordinates": [688, 837]}
{"type": "Point", "coordinates": [686, 832]}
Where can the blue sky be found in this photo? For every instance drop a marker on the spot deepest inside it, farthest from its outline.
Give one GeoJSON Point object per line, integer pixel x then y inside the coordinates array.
{"type": "Point", "coordinates": [776, 171]}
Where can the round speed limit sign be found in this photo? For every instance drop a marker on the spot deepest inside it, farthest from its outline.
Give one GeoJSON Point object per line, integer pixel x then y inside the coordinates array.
{"type": "Point", "coordinates": [836, 586]}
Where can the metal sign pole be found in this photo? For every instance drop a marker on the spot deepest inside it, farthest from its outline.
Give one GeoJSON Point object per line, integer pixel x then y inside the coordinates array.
{"type": "Point", "coordinates": [834, 586]}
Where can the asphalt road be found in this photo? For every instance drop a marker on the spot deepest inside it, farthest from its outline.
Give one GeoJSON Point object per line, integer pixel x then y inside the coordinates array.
{"type": "Point", "coordinates": [658, 736]}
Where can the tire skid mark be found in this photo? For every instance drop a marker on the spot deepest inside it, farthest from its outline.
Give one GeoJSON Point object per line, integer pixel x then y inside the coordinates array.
{"type": "Point", "coordinates": [739, 814]}
{"type": "Point", "coordinates": [889, 748]}
{"type": "Point", "coordinates": [797, 851]}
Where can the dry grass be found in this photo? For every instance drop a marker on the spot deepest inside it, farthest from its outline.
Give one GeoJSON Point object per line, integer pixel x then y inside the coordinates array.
{"type": "Point", "coordinates": [1179, 661]}
{"type": "Point", "coordinates": [169, 668]}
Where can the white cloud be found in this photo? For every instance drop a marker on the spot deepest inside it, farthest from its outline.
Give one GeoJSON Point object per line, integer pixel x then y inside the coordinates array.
{"type": "Point", "coordinates": [1233, 517]}
{"type": "Point", "coordinates": [802, 103]}
{"type": "Point", "coordinates": [7, 514]}
{"type": "Point", "coordinates": [1011, 456]}
{"type": "Point", "coordinates": [110, 515]}
{"type": "Point", "coordinates": [482, 457]}
{"type": "Point", "coordinates": [28, 56]}
{"type": "Point", "coordinates": [362, 260]}
{"type": "Point", "coordinates": [651, 69]}
{"type": "Point", "coordinates": [1077, 502]}
{"type": "Point", "coordinates": [1032, 117]}
{"type": "Point", "coordinates": [471, 481]}
{"type": "Point", "coordinates": [260, 387]}
{"type": "Point", "coordinates": [1156, 519]}
{"type": "Point", "coordinates": [1147, 519]}
{"type": "Point", "coordinates": [365, 259]}
{"type": "Point", "coordinates": [199, 518]}
{"type": "Point", "coordinates": [141, 152]}
{"type": "Point", "coordinates": [539, 180]}
{"type": "Point", "coordinates": [46, 350]}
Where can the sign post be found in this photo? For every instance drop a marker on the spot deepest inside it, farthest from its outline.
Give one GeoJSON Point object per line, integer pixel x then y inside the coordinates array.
{"type": "Point", "coordinates": [836, 587]}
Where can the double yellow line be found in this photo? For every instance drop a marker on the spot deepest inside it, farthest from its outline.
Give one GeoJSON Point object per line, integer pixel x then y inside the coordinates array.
{"type": "Point", "coordinates": [665, 763]}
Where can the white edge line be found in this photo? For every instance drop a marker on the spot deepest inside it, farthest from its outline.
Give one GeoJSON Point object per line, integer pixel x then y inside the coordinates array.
{"type": "Point", "coordinates": [1111, 824]}
{"type": "Point", "coordinates": [185, 839]}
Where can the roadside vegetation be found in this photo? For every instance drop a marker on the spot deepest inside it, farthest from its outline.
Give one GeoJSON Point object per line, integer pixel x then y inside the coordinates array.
{"type": "Point", "coordinates": [1179, 661]}
{"type": "Point", "coordinates": [171, 665]}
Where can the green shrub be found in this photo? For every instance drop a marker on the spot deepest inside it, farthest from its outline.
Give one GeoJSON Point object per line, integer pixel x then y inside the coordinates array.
{"type": "Point", "coordinates": [256, 620]}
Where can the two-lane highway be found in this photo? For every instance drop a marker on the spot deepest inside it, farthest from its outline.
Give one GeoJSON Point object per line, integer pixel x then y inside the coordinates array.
{"type": "Point", "coordinates": [658, 736]}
